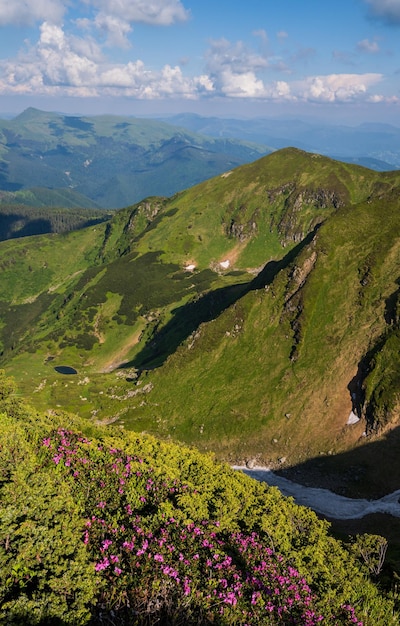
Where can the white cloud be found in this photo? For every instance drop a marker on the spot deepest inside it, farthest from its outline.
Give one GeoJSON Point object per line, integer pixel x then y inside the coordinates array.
{"type": "Point", "coordinates": [368, 46]}
{"type": "Point", "coordinates": [387, 99]}
{"type": "Point", "coordinates": [337, 87]}
{"type": "Point", "coordinates": [59, 59]}
{"type": "Point", "coordinates": [240, 85]}
{"type": "Point", "coordinates": [223, 53]}
{"type": "Point", "coordinates": [157, 12]}
{"type": "Point", "coordinates": [66, 65]}
{"type": "Point", "coordinates": [232, 69]}
{"type": "Point", "coordinates": [385, 10]}
{"type": "Point", "coordinates": [280, 91]}
{"type": "Point", "coordinates": [113, 18]}
{"type": "Point", "coordinates": [62, 64]}
{"type": "Point", "coordinates": [22, 12]}
{"type": "Point", "coordinates": [115, 29]}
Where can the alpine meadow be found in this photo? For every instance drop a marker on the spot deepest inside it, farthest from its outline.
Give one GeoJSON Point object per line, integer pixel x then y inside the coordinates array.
{"type": "Point", "coordinates": [252, 319]}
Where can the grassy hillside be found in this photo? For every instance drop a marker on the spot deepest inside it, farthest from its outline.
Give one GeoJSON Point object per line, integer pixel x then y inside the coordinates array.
{"type": "Point", "coordinates": [99, 526]}
{"type": "Point", "coordinates": [40, 197]}
{"type": "Point", "coordinates": [112, 160]}
{"type": "Point", "coordinates": [283, 361]}
{"type": "Point", "coordinates": [248, 315]}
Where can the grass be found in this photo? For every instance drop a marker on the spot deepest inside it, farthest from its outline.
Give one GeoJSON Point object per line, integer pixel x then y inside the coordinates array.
{"type": "Point", "coordinates": [226, 355]}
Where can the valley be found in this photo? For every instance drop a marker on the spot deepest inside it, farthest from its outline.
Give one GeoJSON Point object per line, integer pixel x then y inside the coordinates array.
{"type": "Point", "coordinates": [237, 316]}
{"type": "Point", "coordinates": [106, 161]}
{"type": "Point", "coordinates": [251, 320]}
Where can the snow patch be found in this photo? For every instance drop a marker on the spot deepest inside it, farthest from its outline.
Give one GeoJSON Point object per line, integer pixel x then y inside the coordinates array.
{"type": "Point", "coordinates": [324, 501]}
{"type": "Point", "coordinates": [353, 419]}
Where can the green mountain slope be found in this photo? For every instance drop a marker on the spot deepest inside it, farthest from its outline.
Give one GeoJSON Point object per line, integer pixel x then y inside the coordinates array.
{"type": "Point", "coordinates": [112, 160]}
{"type": "Point", "coordinates": [249, 314]}
{"type": "Point", "coordinates": [283, 362]}
{"type": "Point", "coordinates": [40, 197]}
{"type": "Point", "coordinates": [100, 526]}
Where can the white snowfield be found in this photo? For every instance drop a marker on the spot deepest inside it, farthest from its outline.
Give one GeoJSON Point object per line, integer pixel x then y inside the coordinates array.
{"type": "Point", "coordinates": [324, 501]}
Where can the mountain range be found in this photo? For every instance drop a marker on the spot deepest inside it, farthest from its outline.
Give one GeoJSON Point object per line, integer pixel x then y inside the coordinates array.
{"type": "Point", "coordinates": [374, 145]}
{"type": "Point", "coordinates": [107, 161]}
{"type": "Point", "coordinates": [252, 315]}
{"type": "Point", "coordinates": [242, 306]}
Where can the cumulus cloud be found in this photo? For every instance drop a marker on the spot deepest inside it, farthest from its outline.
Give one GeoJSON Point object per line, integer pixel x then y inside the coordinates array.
{"type": "Point", "coordinates": [66, 65]}
{"type": "Point", "coordinates": [223, 53]}
{"type": "Point", "coordinates": [114, 18]}
{"type": "Point", "coordinates": [115, 29]}
{"type": "Point", "coordinates": [337, 87]}
{"type": "Point", "coordinates": [386, 10]}
{"type": "Point", "coordinates": [232, 69]}
{"type": "Point", "coordinates": [23, 12]}
{"type": "Point", "coordinates": [157, 12]}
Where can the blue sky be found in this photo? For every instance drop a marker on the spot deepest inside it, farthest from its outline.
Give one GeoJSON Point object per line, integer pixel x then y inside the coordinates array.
{"type": "Point", "coordinates": [335, 60]}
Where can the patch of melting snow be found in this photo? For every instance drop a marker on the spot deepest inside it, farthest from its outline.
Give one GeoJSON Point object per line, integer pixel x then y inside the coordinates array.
{"type": "Point", "coordinates": [324, 501]}
{"type": "Point", "coordinates": [353, 418]}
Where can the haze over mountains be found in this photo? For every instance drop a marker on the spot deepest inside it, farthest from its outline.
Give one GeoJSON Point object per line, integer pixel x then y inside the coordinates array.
{"type": "Point", "coordinates": [111, 160]}
{"type": "Point", "coordinates": [374, 145]}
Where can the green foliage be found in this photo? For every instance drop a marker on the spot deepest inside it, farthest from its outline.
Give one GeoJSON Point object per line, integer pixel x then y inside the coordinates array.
{"type": "Point", "coordinates": [371, 549]}
{"type": "Point", "coordinates": [22, 221]}
{"type": "Point", "coordinates": [103, 524]}
{"type": "Point", "coordinates": [302, 311]}
{"type": "Point", "coordinates": [382, 382]}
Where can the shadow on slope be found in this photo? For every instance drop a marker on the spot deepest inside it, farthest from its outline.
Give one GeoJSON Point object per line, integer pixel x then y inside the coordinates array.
{"type": "Point", "coordinates": [370, 470]}
{"type": "Point", "coordinates": [186, 319]}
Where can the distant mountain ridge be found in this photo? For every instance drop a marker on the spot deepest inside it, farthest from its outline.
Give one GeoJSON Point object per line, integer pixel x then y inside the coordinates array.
{"type": "Point", "coordinates": [112, 160]}
{"type": "Point", "coordinates": [374, 145]}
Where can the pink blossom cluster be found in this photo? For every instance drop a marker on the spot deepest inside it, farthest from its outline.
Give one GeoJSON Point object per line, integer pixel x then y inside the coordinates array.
{"type": "Point", "coordinates": [140, 551]}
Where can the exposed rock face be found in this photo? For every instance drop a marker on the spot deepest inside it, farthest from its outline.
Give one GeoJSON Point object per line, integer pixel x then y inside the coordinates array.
{"type": "Point", "coordinates": [242, 222]}
{"type": "Point", "coordinates": [293, 200]}
{"type": "Point", "coordinates": [299, 274]}
{"type": "Point", "coordinates": [320, 198]}
{"type": "Point", "coordinates": [293, 301]}
{"type": "Point", "coordinates": [242, 231]}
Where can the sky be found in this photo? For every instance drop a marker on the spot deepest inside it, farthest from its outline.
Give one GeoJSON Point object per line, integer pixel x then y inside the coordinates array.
{"type": "Point", "coordinates": [337, 60]}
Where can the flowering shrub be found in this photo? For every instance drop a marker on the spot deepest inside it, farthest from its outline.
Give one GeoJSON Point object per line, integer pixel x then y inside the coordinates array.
{"type": "Point", "coordinates": [155, 565]}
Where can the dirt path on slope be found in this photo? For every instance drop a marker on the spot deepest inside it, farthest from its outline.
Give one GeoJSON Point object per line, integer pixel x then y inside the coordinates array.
{"type": "Point", "coordinates": [120, 357]}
